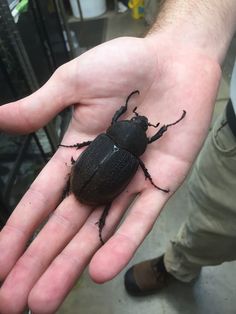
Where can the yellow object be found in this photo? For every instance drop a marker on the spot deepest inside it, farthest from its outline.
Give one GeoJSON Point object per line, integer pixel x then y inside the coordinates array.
{"type": "Point", "coordinates": [137, 7]}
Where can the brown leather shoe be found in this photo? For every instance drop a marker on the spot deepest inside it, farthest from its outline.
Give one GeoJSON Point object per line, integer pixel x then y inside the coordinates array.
{"type": "Point", "coordinates": [146, 277]}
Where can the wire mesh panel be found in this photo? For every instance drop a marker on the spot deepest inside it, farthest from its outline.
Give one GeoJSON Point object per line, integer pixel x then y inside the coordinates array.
{"type": "Point", "coordinates": [22, 157]}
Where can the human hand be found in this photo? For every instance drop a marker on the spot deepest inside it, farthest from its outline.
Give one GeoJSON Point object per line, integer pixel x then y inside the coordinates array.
{"type": "Point", "coordinates": [98, 82]}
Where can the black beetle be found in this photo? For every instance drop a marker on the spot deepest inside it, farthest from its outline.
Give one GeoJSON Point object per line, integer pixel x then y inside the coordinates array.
{"type": "Point", "coordinates": [111, 160]}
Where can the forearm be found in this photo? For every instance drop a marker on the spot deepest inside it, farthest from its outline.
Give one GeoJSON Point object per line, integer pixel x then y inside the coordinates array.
{"type": "Point", "coordinates": [202, 25]}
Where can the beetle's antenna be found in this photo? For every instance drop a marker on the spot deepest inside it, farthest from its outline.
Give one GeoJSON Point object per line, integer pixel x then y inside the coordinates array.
{"type": "Point", "coordinates": [154, 125]}
{"type": "Point", "coordinates": [149, 124]}
{"type": "Point", "coordinates": [134, 111]}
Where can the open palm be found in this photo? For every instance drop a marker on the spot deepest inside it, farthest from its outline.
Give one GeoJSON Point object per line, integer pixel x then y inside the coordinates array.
{"type": "Point", "coordinates": [98, 83]}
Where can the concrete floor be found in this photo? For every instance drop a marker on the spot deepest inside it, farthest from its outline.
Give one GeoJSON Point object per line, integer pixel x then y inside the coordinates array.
{"type": "Point", "coordinates": [213, 293]}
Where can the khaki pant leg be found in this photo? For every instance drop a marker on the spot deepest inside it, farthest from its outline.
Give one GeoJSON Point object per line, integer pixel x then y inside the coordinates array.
{"type": "Point", "coordinates": [208, 237]}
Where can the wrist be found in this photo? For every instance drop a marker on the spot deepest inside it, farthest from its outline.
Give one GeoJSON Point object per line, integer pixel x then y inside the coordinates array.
{"type": "Point", "coordinates": [202, 27]}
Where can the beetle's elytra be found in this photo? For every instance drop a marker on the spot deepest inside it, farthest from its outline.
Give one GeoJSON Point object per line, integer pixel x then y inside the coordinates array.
{"type": "Point", "coordinates": [111, 160]}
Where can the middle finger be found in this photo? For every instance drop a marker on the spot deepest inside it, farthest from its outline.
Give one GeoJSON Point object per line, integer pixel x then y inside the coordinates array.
{"type": "Point", "coordinates": [59, 278]}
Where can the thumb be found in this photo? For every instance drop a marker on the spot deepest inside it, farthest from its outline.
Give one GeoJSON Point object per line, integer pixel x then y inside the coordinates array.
{"type": "Point", "coordinates": [36, 110]}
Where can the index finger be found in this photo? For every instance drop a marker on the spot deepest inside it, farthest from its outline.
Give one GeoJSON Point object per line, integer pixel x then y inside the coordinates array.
{"type": "Point", "coordinates": [39, 201]}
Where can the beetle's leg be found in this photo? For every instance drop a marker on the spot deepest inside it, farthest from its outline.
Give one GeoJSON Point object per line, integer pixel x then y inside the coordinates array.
{"type": "Point", "coordinates": [66, 190]}
{"type": "Point", "coordinates": [164, 128]}
{"type": "Point", "coordinates": [123, 109]}
{"type": "Point", "coordinates": [102, 221]}
{"type": "Point", "coordinates": [148, 176]}
{"type": "Point", "coordinates": [77, 145]}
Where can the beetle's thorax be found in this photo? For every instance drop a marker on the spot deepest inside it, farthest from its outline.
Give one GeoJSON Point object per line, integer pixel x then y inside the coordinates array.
{"type": "Point", "coordinates": [130, 135]}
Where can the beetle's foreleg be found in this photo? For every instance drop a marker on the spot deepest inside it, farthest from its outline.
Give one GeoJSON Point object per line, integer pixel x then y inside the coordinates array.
{"type": "Point", "coordinates": [77, 145]}
{"type": "Point", "coordinates": [164, 128]}
{"type": "Point", "coordinates": [148, 176]}
{"type": "Point", "coordinates": [123, 109]}
{"type": "Point", "coordinates": [102, 221]}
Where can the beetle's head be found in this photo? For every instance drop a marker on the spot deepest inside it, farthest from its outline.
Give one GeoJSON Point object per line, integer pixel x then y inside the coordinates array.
{"type": "Point", "coordinates": [142, 121]}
